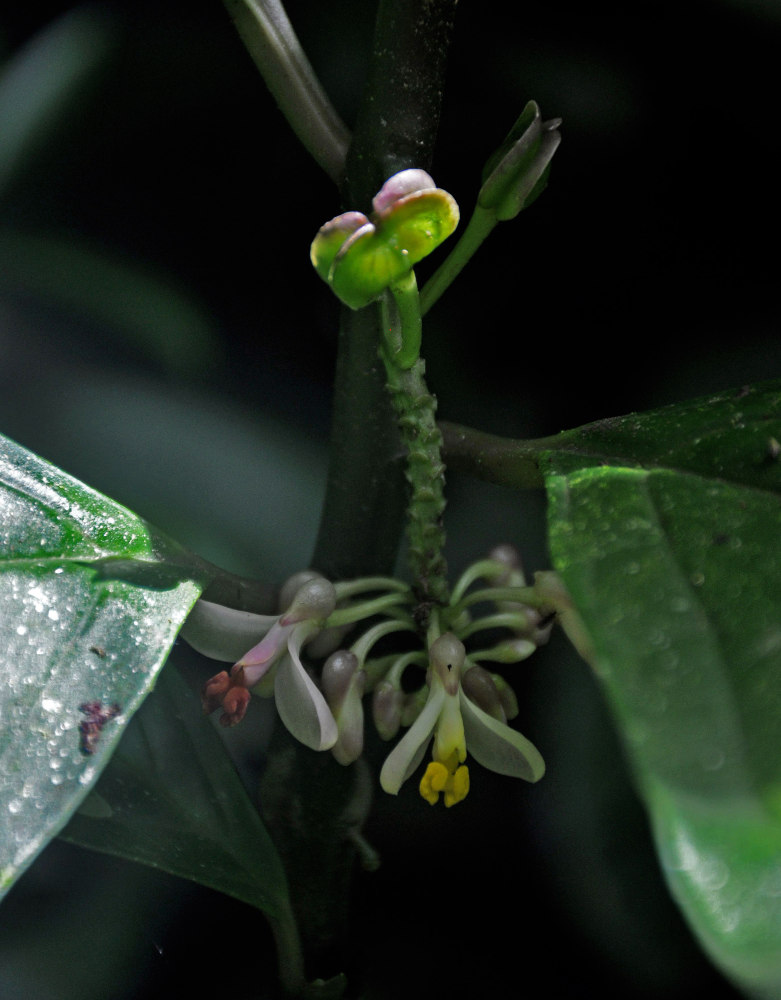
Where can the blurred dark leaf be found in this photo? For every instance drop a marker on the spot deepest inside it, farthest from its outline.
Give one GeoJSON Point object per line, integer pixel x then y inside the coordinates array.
{"type": "Point", "coordinates": [100, 290]}
{"type": "Point", "coordinates": [42, 81]}
{"type": "Point", "coordinates": [171, 799]}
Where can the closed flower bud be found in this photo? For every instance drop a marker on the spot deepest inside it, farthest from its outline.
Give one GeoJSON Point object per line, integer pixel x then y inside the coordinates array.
{"type": "Point", "coordinates": [293, 584]}
{"type": "Point", "coordinates": [313, 601]}
{"type": "Point", "coordinates": [387, 704]}
{"type": "Point", "coordinates": [338, 672]}
{"type": "Point", "coordinates": [517, 172]}
{"type": "Point", "coordinates": [509, 557]}
{"type": "Point", "coordinates": [509, 651]}
{"type": "Point", "coordinates": [533, 625]}
{"type": "Point", "coordinates": [506, 696]}
{"type": "Point", "coordinates": [551, 589]}
{"type": "Point", "coordinates": [479, 687]}
{"type": "Point", "coordinates": [343, 684]}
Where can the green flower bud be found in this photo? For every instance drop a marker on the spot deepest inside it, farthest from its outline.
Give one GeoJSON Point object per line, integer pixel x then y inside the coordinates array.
{"type": "Point", "coordinates": [387, 705]}
{"type": "Point", "coordinates": [517, 172]}
{"type": "Point", "coordinates": [360, 257]}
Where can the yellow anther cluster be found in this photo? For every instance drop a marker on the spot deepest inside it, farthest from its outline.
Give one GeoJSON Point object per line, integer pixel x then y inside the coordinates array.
{"type": "Point", "coordinates": [450, 778]}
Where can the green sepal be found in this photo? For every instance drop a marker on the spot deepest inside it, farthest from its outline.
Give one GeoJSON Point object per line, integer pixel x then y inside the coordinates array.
{"type": "Point", "coordinates": [331, 238]}
{"type": "Point", "coordinates": [362, 257]}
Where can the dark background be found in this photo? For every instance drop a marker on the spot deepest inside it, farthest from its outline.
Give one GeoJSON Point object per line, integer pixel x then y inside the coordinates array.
{"type": "Point", "coordinates": [163, 337]}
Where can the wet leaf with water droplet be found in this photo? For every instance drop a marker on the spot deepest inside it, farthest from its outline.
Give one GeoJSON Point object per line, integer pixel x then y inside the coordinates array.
{"type": "Point", "coordinates": [91, 600]}
{"type": "Point", "coordinates": [675, 570]}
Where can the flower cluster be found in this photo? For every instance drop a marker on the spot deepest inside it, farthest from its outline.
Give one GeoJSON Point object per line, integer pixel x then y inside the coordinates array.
{"type": "Point", "coordinates": [460, 707]}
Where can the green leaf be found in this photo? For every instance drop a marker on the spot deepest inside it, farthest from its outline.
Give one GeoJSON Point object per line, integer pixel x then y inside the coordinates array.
{"type": "Point", "coordinates": [171, 799]}
{"type": "Point", "coordinates": [91, 600]}
{"type": "Point", "coordinates": [732, 435]}
{"type": "Point", "coordinates": [675, 571]}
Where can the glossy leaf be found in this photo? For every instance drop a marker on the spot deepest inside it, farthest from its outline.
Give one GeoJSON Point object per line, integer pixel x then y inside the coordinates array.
{"type": "Point", "coordinates": [732, 435]}
{"type": "Point", "coordinates": [91, 600]}
{"type": "Point", "coordinates": [675, 570]}
{"type": "Point", "coordinates": [171, 799]}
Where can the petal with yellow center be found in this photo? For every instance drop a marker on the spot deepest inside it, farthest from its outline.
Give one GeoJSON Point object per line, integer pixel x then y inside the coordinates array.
{"type": "Point", "coordinates": [408, 752]}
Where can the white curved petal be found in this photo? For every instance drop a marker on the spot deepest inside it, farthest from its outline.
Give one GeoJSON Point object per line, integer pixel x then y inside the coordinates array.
{"type": "Point", "coordinates": [223, 633]}
{"type": "Point", "coordinates": [408, 752]}
{"type": "Point", "coordinates": [302, 707]}
{"type": "Point", "coordinates": [256, 661]}
{"type": "Point", "coordinates": [497, 746]}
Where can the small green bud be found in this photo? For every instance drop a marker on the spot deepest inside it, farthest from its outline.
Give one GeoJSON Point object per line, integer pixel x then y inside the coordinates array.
{"type": "Point", "coordinates": [343, 685]}
{"type": "Point", "coordinates": [517, 173]}
{"type": "Point", "coordinates": [360, 257]}
{"type": "Point", "coordinates": [314, 600]}
{"type": "Point", "coordinates": [387, 705]}
{"type": "Point", "coordinates": [513, 650]}
{"type": "Point", "coordinates": [550, 587]}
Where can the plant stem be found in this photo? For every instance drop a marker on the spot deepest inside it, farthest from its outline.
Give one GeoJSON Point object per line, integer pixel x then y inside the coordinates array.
{"type": "Point", "coordinates": [499, 460]}
{"type": "Point", "coordinates": [292, 975]}
{"type": "Point", "coordinates": [399, 117]}
{"type": "Point", "coordinates": [269, 37]}
{"type": "Point", "coordinates": [363, 513]}
{"type": "Point", "coordinates": [416, 411]}
{"type": "Point", "coordinates": [239, 592]}
{"type": "Point", "coordinates": [405, 295]}
{"type": "Point", "coordinates": [478, 228]}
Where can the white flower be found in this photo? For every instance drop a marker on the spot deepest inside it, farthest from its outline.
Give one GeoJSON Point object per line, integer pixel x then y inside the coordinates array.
{"type": "Point", "coordinates": [456, 723]}
{"type": "Point", "coordinates": [300, 703]}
